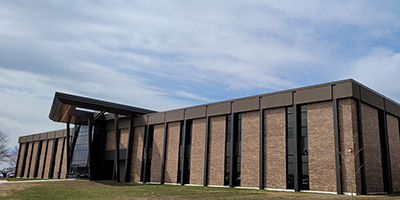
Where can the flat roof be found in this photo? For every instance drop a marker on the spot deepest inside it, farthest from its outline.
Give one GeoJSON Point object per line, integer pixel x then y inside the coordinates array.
{"type": "Point", "coordinates": [347, 88]}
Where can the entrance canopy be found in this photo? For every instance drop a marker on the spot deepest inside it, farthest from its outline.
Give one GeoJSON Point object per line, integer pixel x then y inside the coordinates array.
{"type": "Point", "coordinates": [74, 109]}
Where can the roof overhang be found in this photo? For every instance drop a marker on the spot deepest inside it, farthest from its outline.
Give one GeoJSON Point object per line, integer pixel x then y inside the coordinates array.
{"type": "Point", "coordinates": [65, 108]}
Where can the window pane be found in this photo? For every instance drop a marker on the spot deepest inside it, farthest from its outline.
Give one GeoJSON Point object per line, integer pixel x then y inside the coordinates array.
{"type": "Point", "coordinates": [303, 119]}
{"type": "Point", "coordinates": [290, 159]}
{"type": "Point", "coordinates": [290, 132]}
{"type": "Point", "coordinates": [304, 158]}
{"type": "Point", "coordinates": [304, 168]}
{"type": "Point", "coordinates": [237, 149]}
{"type": "Point", "coordinates": [304, 108]}
{"type": "Point", "coordinates": [188, 150]}
{"type": "Point", "coordinates": [290, 182]}
{"type": "Point", "coordinates": [289, 110]}
{"type": "Point", "coordinates": [303, 146]}
{"type": "Point", "coordinates": [290, 168]}
{"type": "Point", "coordinates": [227, 149]}
{"type": "Point", "coordinates": [304, 132]}
{"type": "Point", "coordinates": [291, 146]}
{"type": "Point", "coordinates": [290, 119]}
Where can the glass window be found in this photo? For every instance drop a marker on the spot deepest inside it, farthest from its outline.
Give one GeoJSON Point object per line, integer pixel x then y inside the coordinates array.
{"type": "Point", "coordinates": [236, 160]}
{"type": "Point", "coordinates": [305, 168]}
{"type": "Point", "coordinates": [290, 159]}
{"type": "Point", "coordinates": [227, 149]}
{"type": "Point", "coordinates": [304, 132]}
{"type": "Point", "coordinates": [289, 110]}
{"type": "Point", "coordinates": [290, 119]}
{"type": "Point", "coordinates": [290, 169]}
{"type": "Point", "coordinates": [304, 149]}
{"type": "Point", "coordinates": [79, 168]}
{"type": "Point", "coordinates": [303, 146]}
{"type": "Point", "coordinates": [291, 146]}
{"type": "Point", "coordinates": [303, 119]}
{"type": "Point", "coordinates": [290, 132]}
{"type": "Point", "coordinates": [304, 108]}
{"type": "Point", "coordinates": [302, 136]}
{"type": "Point", "coordinates": [238, 148]}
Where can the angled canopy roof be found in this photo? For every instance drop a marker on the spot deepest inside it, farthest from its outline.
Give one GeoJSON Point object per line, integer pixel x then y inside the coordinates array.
{"type": "Point", "coordinates": [64, 108]}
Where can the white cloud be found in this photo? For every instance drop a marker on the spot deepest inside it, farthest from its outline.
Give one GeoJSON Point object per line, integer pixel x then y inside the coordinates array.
{"type": "Point", "coordinates": [191, 96]}
{"type": "Point", "coordinates": [26, 97]}
{"type": "Point", "coordinates": [156, 38]}
{"type": "Point", "coordinates": [380, 70]}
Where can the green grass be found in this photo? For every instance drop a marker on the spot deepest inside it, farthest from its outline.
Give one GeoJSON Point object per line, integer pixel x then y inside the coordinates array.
{"type": "Point", "coordinates": [80, 189]}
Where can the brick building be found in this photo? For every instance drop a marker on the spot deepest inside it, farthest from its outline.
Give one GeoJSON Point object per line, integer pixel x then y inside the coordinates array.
{"type": "Point", "coordinates": [316, 138]}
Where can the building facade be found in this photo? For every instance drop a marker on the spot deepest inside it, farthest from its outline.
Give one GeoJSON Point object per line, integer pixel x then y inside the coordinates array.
{"type": "Point", "coordinates": [319, 138]}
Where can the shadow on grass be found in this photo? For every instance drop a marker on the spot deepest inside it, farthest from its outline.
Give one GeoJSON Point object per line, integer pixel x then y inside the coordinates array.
{"type": "Point", "coordinates": [118, 184]}
{"type": "Point", "coordinates": [397, 194]}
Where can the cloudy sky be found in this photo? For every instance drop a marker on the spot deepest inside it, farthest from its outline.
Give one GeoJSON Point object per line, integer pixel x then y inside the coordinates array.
{"type": "Point", "coordinates": [163, 55]}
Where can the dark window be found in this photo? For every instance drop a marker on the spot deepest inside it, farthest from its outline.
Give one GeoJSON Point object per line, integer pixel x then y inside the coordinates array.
{"type": "Point", "coordinates": [147, 154]}
{"type": "Point", "coordinates": [305, 182]}
{"type": "Point", "coordinates": [237, 140]}
{"type": "Point", "coordinates": [79, 162]}
{"type": "Point", "coordinates": [290, 148]}
{"type": "Point", "coordinates": [302, 135]}
{"type": "Point", "coordinates": [143, 155]}
{"type": "Point", "coordinates": [238, 148]}
{"type": "Point", "coordinates": [185, 144]}
{"type": "Point", "coordinates": [189, 127]}
{"type": "Point", "coordinates": [227, 149]}
{"type": "Point", "coordinates": [180, 153]}
{"type": "Point", "coordinates": [385, 160]}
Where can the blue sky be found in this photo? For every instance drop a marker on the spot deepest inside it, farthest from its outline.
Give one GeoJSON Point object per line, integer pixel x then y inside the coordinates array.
{"type": "Point", "coordinates": [163, 55]}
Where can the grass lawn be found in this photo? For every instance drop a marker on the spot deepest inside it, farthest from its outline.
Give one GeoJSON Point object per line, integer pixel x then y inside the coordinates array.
{"type": "Point", "coordinates": [80, 189]}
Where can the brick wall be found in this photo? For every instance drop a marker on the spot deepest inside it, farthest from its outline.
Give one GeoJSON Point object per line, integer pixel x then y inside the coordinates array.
{"type": "Point", "coordinates": [348, 131]}
{"type": "Point", "coordinates": [41, 160]}
{"type": "Point", "coordinates": [250, 149]}
{"type": "Point", "coordinates": [123, 139]}
{"type": "Point", "coordinates": [48, 158]}
{"type": "Point", "coordinates": [21, 159]}
{"type": "Point", "coordinates": [110, 144]}
{"type": "Point", "coordinates": [137, 151]}
{"type": "Point", "coordinates": [216, 150]}
{"type": "Point", "coordinates": [394, 148]}
{"type": "Point", "coordinates": [123, 142]}
{"type": "Point", "coordinates": [275, 148]}
{"type": "Point", "coordinates": [372, 149]}
{"type": "Point", "coordinates": [64, 162]}
{"type": "Point", "coordinates": [172, 153]}
{"type": "Point", "coordinates": [58, 158]}
{"type": "Point", "coordinates": [34, 155]}
{"type": "Point", "coordinates": [321, 147]}
{"type": "Point", "coordinates": [197, 151]}
{"type": "Point", "coordinates": [28, 158]}
{"type": "Point", "coordinates": [156, 158]}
